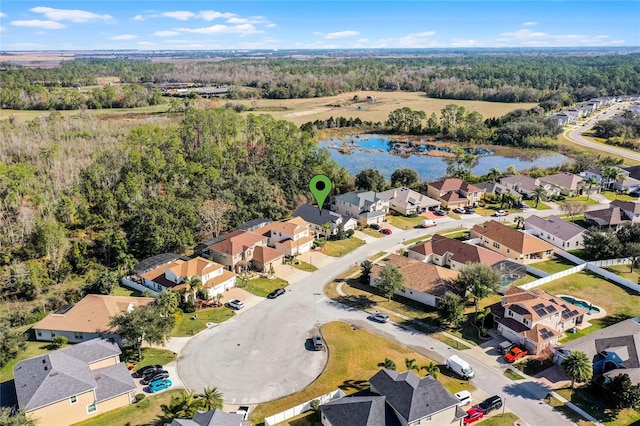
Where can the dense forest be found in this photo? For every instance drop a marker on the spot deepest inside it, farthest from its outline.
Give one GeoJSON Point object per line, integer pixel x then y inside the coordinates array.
{"type": "Point", "coordinates": [552, 80]}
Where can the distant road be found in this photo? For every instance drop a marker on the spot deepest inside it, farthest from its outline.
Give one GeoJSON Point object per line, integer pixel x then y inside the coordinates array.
{"type": "Point", "coordinates": [575, 136]}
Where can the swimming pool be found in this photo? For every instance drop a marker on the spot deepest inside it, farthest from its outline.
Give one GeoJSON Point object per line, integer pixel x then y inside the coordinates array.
{"type": "Point", "coordinates": [581, 303]}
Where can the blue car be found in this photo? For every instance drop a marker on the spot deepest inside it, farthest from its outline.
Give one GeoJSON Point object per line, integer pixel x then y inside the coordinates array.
{"type": "Point", "coordinates": [159, 385]}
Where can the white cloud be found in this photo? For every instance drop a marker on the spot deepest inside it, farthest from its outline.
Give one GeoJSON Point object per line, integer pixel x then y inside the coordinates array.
{"type": "Point", "coordinates": [49, 25]}
{"type": "Point", "coordinates": [416, 40]}
{"type": "Point", "coordinates": [3, 15]}
{"type": "Point", "coordinates": [272, 25]}
{"type": "Point", "coordinates": [180, 15]}
{"type": "Point", "coordinates": [146, 43]}
{"type": "Point", "coordinates": [73, 15]}
{"type": "Point", "coordinates": [165, 33]}
{"type": "Point", "coordinates": [529, 23]}
{"type": "Point", "coordinates": [124, 37]}
{"type": "Point", "coordinates": [530, 38]}
{"type": "Point", "coordinates": [210, 15]}
{"type": "Point", "coordinates": [342, 34]}
{"type": "Point", "coordinates": [243, 30]}
{"type": "Point", "coordinates": [138, 18]}
{"type": "Point", "coordinates": [459, 42]}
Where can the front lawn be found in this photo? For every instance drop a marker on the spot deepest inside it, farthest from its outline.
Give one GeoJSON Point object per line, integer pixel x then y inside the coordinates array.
{"type": "Point", "coordinates": [303, 266]}
{"type": "Point", "coordinates": [152, 356]}
{"type": "Point", "coordinates": [506, 419]}
{"type": "Point", "coordinates": [532, 366]}
{"type": "Point", "coordinates": [512, 375]}
{"type": "Point", "coordinates": [146, 412]}
{"type": "Point", "coordinates": [263, 286]}
{"type": "Point", "coordinates": [339, 248]}
{"type": "Point", "coordinates": [372, 232]}
{"type": "Point", "coordinates": [541, 205]}
{"type": "Point", "coordinates": [612, 195]}
{"type": "Point", "coordinates": [554, 265]}
{"type": "Point", "coordinates": [582, 199]}
{"type": "Point", "coordinates": [353, 358]}
{"type": "Point", "coordinates": [33, 349]}
{"type": "Point", "coordinates": [597, 408]}
{"type": "Point", "coordinates": [403, 222]}
{"type": "Point", "coordinates": [186, 326]}
{"type": "Point", "coordinates": [566, 411]}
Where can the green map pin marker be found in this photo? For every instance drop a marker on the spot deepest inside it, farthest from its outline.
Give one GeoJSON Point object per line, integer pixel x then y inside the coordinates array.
{"type": "Point", "coordinates": [320, 187]}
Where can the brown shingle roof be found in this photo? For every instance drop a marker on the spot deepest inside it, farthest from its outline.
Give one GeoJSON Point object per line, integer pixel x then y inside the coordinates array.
{"type": "Point", "coordinates": [607, 217]}
{"type": "Point", "coordinates": [197, 266]}
{"type": "Point", "coordinates": [264, 254]}
{"type": "Point", "coordinates": [419, 276]}
{"type": "Point", "coordinates": [524, 301]}
{"type": "Point", "coordinates": [218, 279]}
{"type": "Point", "coordinates": [453, 184]}
{"type": "Point", "coordinates": [452, 196]}
{"type": "Point", "coordinates": [463, 253]}
{"type": "Point", "coordinates": [538, 331]}
{"type": "Point", "coordinates": [237, 242]}
{"type": "Point", "coordinates": [520, 242]}
{"type": "Point", "coordinates": [91, 314]}
{"type": "Point", "coordinates": [564, 180]}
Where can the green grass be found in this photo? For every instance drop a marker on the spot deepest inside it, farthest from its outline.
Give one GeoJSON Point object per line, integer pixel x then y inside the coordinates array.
{"type": "Point", "coordinates": [353, 358]}
{"type": "Point", "coordinates": [567, 412]}
{"type": "Point", "coordinates": [582, 199]}
{"type": "Point", "coordinates": [596, 325]}
{"type": "Point", "coordinates": [417, 240]}
{"type": "Point", "coordinates": [512, 375]}
{"type": "Point", "coordinates": [468, 331]}
{"type": "Point", "coordinates": [554, 265]}
{"type": "Point", "coordinates": [33, 349]}
{"type": "Point", "coordinates": [612, 195]}
{"type": "Point", "coordinates": [339, 248]}
{"type": "Point", "coordinates": [303, 266]}
{"type": "Point", "coordinates": [403, 222]}
{"type": "Point", "coordinates": [506, 419]}
{"type": "Point", "coordinates": [120, 290]}
{"type": "Point", "coordinates": [532, 366]}
{"type": "Point", "coordinates": [625, 272]}
{"type": "Point", "coordinates": [372, 232]}
{"type": "Point", "coordinates": [541, 205]}
{"type": "Point", "coordinates": [263, 286]}
{"type": "Point", "coordinates": [185, 326]}
{"type": "Point", "coordinates": [597, 408]}
{"type": "Point", "coordinates": [378, 255]}
{"type": "Point", "coordinates": [449, 341]}
{"type": "Point", "coordinates": [146, 412]}
{"type": "Point", "coordinates": [308, 418]}
{"type": "Point", "coordinates": [524, 280]}
{"type": "Point", "coordinates": [153, 356]}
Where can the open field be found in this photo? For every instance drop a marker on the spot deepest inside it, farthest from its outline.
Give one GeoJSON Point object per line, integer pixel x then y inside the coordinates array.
{"type": "Point", "coordinates": [27, 115]}
{"type": "Point", "coordinates": [300, 111]}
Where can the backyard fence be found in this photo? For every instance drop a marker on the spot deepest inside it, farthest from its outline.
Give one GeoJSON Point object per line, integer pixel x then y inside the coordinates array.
{"type": "Point", "coordinates": [613, 277]}
{"type": "Point", "coordinates": [301, 408]}
{"type": "Point", "coordinates": [611, 262]}
{"type": "Point", "coordinates": [553, 277]}
{"type": "Point", "coordinates": [136, 286]}
{"type": "Point", "coordinates": [570, 257]}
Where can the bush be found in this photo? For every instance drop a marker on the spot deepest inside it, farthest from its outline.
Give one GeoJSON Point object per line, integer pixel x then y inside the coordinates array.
{"type": "Point", "coordinates": [140, 397]}
{"type": "Point", "coordinates": [350, 233]}
{"type": "Point", "coordinates": [59, 341]}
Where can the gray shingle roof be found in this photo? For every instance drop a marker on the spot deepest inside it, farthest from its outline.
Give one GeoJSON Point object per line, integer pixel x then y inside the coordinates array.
{"type": "Point", "coordinates": [52, 377]}
{"type": "Point", "coordinates": [313, 215]}
{"type": "Point", "coordinates": [215, 417]}
{"type": "Point", "coordinates": [555, 226]}
{"type": "Point", "coordinates": [356, 410]}
{"type": "Point", "coordinates": [360, 199]}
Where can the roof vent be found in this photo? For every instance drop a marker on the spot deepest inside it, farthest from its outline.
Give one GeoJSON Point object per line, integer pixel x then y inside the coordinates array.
{"type": "Point", "coordinates": [53, 373]}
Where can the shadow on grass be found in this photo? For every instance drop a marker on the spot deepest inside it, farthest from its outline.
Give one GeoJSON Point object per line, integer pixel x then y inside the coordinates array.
{"type": "Point", "coordinates": [592, 404]}
{"type": "Point", "coordinates": [355, 385]}
{"type": "Point", "coordinates": [613, 319]}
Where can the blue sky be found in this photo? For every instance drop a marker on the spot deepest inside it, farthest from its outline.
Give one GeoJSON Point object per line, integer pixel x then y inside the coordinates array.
{"type": "Point", "coordinates": [155, 25]}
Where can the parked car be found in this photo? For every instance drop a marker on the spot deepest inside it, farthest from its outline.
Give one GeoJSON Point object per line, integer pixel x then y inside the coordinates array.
{"type": "Point", "coordinates": [460, 210]}
{"type": "Point", "coordinates": [490, 404]}
{"type": "Point", "coordinates": [377, 316]}
{"type": "Point", "coordinates": [460, 367]}
{"type": "Point", "coordinates": [386, 231]}
{"type": "Point", "coordinates": [140, 372]}
{"type": "Point", "coordinates": [440, 212]}
{"type": "Point", "coordinates": [472, 416]}
{"type": "Point", "coordinates": [236, 304]}
{"type": "Point", "coordinates": [515, 354]}
{"type": "Point", "coordinates": [506, 346]}
{"type": "Point", "coordinates": [275, 293]}
{"type": "Point", "coordinates": [155, 377]}
{"type": "Point", "coordinates": [500, 213]}
{"type": "Point", "coordinates": [318, 343]}
{"type": "Point", "coordinates": [159, 385]}
{"type": "Point", "coordinates": [464, 397]}
{"type": "Point", "coordinates": [151, 373]}
{"type": "Point", "coordinates": [375, 226]}
{"type": "Point", "coordinates": [428, 223]}
{"type": "Point", "coordinates": [469, 209]}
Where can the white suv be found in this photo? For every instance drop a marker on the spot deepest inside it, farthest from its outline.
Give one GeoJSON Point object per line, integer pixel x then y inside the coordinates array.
{"type": "Point", "coordinates": [236, 304]}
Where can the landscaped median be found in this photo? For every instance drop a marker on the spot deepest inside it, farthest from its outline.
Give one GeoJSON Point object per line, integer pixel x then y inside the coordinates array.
{"type": "Point", "coordinates": [350, 367]}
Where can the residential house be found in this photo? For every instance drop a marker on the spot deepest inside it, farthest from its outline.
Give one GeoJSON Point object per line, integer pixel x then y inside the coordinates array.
{"type": "Point", "coordinates": [628, 181]}
{"type": "Point", "coordinates": [235, 250]}
{"type": "Point", "coordinates": [73, 384]}
{"type": "Point", "coordinates": [578, 112]}
{"type": "Point", "coordinates": [149, 264]}
{"type": "Point", "coordinates": [88, 319]}
{"type": "Point", "coordinates": [560, 233]}
{"type": "Point", "coordinates": [214, 277]}
{"type": "Point", "coordinates": [454, 193]}
{"type": "Point", "coordinates": [613, 350]}
{"type": "Point", "coordinates": [424, 282]}
{"type": "Point", "coordinates": [497, 189]}
{"type": "Point", "coordinates": [511, 243]}
{"type": "Point", "coordinates": [522, 184]}
{"type": "Point", "coordinates": [631, 209]}
{"type": "Point", "coordinates": [406, 201]}
{"type": "Point", "coordinates": [215, 417]}
{"type": "Point", "coordinates": [452, 253]}
{"type": "Point", "coordinates": [265, 258]}
{"type": "Point", "coordinates": [534, 319]}
{"type": "Point", "coordinates": [566, 184]}
{"type": "Point", "coordinates": [565, 118]}
{"type": "Point", "coordinates": [612, 216]}
{"type": "Point", "coordinates": [324, 222]}
{"type": "Point", "coordinates": [293, 237]}
{"type": "Point", "coordinates": [366, 206]}
{"type": "Point", "coordinates": [395, 399]}
{"type": "Point", "coordinates": [252, 225]}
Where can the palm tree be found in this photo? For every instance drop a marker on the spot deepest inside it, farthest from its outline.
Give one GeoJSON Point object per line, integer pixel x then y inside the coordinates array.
{"type": "Point", "coordinates": [611, 175]}
{"type": "Point", "coordinates": [539, 193]}
{"type": "Point", "coordinates": [519, 220]}
{"type": "Point", "coordinates": [494, 174]}
{"type": "Point", "coordinates": [194, 285]}
{"type": "Point", "coordinates": [432, 369]}
{"type": "Point", "coordinates": [482, 315]}
{"type": "Point", "coordinates": [411, 364]}
{"type": "Point", "coordinates": [589, 182]}
{"type": "Point", "coordinates": [211, 398]}
{"type": "Point", "coordinates": [577, 366]}
{"type": "Point", "coordinates": [181, 407]}
{"type": "Point", "coordinates": [388, 364]}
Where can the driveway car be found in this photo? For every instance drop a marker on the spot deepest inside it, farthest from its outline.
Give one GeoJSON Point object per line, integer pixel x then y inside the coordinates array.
{"type": "Point", "coordinates": [514, 354]}
{"type": "Point", "coordinates": [464, 397]}
{"type": "Point", "coordinates": [375, 226]}
{"type": "Point", "coordinates": [473, 416]}
{"type": "Point", "coordinates": [460, 210]}
{"type": "Point", "coordinates": [275, 293]}
{"type": "Point", "coordinates": [490, 404]}
{"type": "Point", "coordinates": [440, 212]}
{"type": "Point", "coordinates": [155, 377]}
{"type": "Point", "coordinates": [141, 372]}
{"type": "Point", "coordinates": [318, 343]}
{"type": "Point", "coordinates": [386, 231]}
{"type": "Point", "coordinates": [236, 304]}
{"type": "Point", "coordinates": [159, 385]}
{"type": "Point", "coordinates": [501, 213]}
{"type": "Point", "coordinates": [469, 210]}
{"type": "Point", "coordinates": [377, 316]}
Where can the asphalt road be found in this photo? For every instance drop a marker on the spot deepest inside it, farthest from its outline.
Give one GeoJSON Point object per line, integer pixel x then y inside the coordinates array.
{"type": "Point", "coordinates": [575, 135]}
{"type": "Point", "coordinates": [262, 354]}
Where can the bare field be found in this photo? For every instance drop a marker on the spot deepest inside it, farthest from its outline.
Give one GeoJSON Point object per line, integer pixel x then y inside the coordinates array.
{"type": "Point", "coordinates": [300, 111]}
{"type": "Point", "coordinates": [26, 115]}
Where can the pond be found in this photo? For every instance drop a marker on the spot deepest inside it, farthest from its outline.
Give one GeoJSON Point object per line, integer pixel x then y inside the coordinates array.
{"type": "Point", "coordinates": [374, 151]}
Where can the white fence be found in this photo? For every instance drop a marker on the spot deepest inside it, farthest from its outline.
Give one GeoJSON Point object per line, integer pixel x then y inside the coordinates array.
{"type": "Point", "coordinates": [611, 262]}
{"type": "Point", "coordinates": [136, 286]}
{"type": "Point", "coordinates": [301, 408]}
{"type": "Point", "coordinates": [535, 271]}
{"type": "Point", "coordinates": [613, 277]}
{"type": "Point", "coordinates": [553, 277]}
{"type": "Point", "coordinates": [570, 257]}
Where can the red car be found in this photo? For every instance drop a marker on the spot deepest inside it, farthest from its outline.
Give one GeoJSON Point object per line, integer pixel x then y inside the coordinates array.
{"type": "Point", "coordinates": [386, 231]}
{"type": "Point", "coordinates": [514, 354]}
{"type": "Point", "coordinates": [473, 416]}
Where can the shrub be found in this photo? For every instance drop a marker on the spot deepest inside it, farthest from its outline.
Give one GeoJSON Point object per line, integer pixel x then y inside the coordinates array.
{"type": "Point", "coordinates": [59, 341]}
{"type": "Point", "coordinates": [140, 397]}
{"type": "Point", "coordinates": [350, 233]}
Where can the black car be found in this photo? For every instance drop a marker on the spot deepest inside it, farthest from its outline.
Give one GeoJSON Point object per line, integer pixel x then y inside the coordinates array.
{"type": "Point", "coordinates": [440, 212]}
{"type": "Point", "coordinates": [157, 376]}
{"type": "Point", "coordinates": [490, 404]}
{"type": "Point", "coordinates": [469, 210]}
{"type": "Point", "coordinates": [275, 293]}
{"type": "Point", "coordinates": [375, 226]}
{"type": "Point", "coordinates": [143, 371]}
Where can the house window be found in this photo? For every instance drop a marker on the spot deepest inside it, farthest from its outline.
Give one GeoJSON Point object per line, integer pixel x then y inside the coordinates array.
{"type": "Point", "coordinates": [508, 250]}
{"type": "Point", "coordinates": [39, 333]}
{"type": "Point", "coordinates": [92, 408]}
{"type": "Point", "coordinates": [510, 313]}
{"type": "Point", "coordinates": [77, 336]}
{"type": "Point", "coordinates": [548, 252]}
{"type": "Point", "coordinates": [526, 321]}
{"type": "Point", "coordinates": [73, 399]}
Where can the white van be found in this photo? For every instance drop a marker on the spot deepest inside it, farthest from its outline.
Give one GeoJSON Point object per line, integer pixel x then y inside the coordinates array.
{"type": "Point", "coordinates": [460, 367]}
{"type": "Point", "coordinates": [428, 223]}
